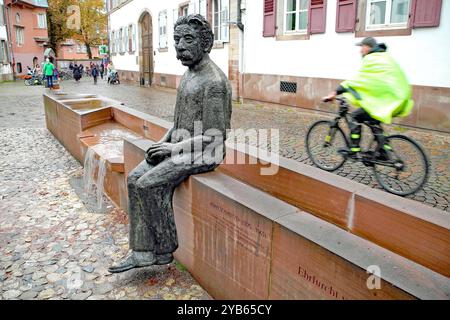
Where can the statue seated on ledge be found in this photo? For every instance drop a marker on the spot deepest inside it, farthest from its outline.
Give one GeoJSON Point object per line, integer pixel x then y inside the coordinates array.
{"type": "Point", "coordinates": [195, 144]}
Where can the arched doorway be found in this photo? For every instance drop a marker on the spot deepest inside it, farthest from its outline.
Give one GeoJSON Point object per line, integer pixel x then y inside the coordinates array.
{"type": "Point", "coordinates": [145, 49]}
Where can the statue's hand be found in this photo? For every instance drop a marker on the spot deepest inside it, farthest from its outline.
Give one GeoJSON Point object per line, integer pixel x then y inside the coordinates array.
{"type": "Point", "coordinates": [160, 150]}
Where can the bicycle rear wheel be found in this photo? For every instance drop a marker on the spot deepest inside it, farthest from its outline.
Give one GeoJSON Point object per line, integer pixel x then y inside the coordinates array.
{"type": "Point", "coordinates": [408, 167]}
{"type": "Point", "coordinates": [322, 144]}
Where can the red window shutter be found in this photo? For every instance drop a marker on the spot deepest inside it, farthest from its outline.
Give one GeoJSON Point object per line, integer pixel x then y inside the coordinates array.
{"type": "Point", "coordinates": [269, 18]}
{"type": "Point", "coordinates": [317, 16]}
{"type": "Point", "coordinates": [346, 15]}
{"type": "Point", "coordinates": [426, 13]}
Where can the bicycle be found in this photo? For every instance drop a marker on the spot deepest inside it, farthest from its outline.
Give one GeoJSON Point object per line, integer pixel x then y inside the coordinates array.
{"type": "Point", "coordinates": [399, 163]}
{"type": "Point", "coordinates": [34, 80]}
{"type": "Point", "coordinates": [66, 75]}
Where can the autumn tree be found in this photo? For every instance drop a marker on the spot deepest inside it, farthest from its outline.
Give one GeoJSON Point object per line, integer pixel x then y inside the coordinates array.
{"type": "Point", "coordinates": [57, 15]}
{"type": "Point", "coordinates": [93, 26]}
{"type": "Point", "coordinates": [82, 20]}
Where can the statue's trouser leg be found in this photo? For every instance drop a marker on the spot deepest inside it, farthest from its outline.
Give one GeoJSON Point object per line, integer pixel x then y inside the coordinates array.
{"type": "Point", "coordinates": [139, 239]}
{"type": "Point", "coordinates": [152, 223]}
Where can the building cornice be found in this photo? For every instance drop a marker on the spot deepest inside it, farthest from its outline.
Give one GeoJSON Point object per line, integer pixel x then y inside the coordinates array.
{"type": "Point", "coordinates": [120, 6]}
{"type": "Point", "coordinates": [26, 3]}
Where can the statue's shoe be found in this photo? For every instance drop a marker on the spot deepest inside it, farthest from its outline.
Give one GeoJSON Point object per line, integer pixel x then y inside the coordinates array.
{"type": "Point", "coordinates": [162, 259]}
{"type": "Point", "coordinates": [133, 261]}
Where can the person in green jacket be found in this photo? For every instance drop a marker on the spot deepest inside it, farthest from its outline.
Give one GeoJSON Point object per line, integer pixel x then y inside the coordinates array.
{"type": "Point", "coordinates": [380, 91]}
{"type": "Point", "coordinates": [48, 72]}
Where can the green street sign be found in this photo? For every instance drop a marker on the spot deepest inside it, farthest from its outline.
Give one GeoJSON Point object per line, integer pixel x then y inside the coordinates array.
{"type": "Point", "coordinates": [103, 49]}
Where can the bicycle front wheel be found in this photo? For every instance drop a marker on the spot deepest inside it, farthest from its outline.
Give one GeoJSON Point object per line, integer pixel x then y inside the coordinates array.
{"type": "Point", "coordinates": [407, 169]}
{"type": "Point", "coordinates": [322, 144]}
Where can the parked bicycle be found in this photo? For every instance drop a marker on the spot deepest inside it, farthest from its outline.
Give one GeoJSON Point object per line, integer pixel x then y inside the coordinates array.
{"type": "Point", "coordinates": [35, 80]}
{"type": "Point", "coordinates": [66, 75]}
{"type": "Point", "coordinates": [399, 163]}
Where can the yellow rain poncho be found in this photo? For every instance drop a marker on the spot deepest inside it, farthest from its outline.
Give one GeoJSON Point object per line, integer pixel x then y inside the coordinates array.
{"type": "Point", "coordinates": [383, 88]}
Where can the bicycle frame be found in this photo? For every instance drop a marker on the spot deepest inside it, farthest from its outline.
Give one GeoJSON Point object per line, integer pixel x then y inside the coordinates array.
{"type": "Point", "coordinates": [370, 159]}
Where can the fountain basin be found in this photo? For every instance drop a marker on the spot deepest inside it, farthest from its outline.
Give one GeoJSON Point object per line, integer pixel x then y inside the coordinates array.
{"type": "Point", "coordinates": [70, 96]}
{"type": "Point", "coordinates": [84, 105]}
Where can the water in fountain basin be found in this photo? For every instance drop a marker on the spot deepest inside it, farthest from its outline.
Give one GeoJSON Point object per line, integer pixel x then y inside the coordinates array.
{"type": "Point", "coordinates": [90, 183]}
{"type": "Point", "coordinates": [90, 164]}
{"type": "Point", "coordinates": [100, 181]}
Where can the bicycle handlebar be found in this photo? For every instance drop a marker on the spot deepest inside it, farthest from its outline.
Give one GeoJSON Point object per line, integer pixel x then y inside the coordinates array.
{"type": "Point", "coordinates": [342, 100]}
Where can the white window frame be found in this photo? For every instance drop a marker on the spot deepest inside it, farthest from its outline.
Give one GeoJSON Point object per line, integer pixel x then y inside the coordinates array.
{"type": "Point", "coordinates": [131, 36]}
{"type": "Point", "coordinates": [4, 55]}
{"type": "Point", "coordinates": [387, 24]}
{"type": "Point", "coordinates": [124, 39]}
{"type": "Point", "coordinates": [175, 15]}
{"type": "Point", "coordinates": [297, 18]}
{"type": "Point", "coordinates": [222, 9]}
{"type": "Point", "coordinates": [2, 15]}
{"type": "Point", "coordinates": [162, 30]}
{"type": "Point", "coordinates": [184, 10]}
{"type": "Point", "coordinates": [120, 40]}
{"type": "Point", "coordinates": [133, 40]}
{"type": "Point", "coordinates": [203, 8]}
{"type": "Point", "coordinates": [192, 8]}
{"type": "Point", "coordinates": [20, 36]}
{"type": "Point", "coordinates": [81, 48]}
{"type": "Point", "coordinates": [42, 20]}
{"type": "Point", "coordinates": [113, 42]}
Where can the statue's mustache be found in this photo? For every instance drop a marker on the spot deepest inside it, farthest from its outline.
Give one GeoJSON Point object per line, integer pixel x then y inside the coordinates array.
{"type": "Point", "coordinates": [184, 55]}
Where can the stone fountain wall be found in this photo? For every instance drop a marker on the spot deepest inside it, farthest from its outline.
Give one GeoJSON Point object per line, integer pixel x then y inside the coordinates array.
{"type": "Point", "coordinates": [300, 234]}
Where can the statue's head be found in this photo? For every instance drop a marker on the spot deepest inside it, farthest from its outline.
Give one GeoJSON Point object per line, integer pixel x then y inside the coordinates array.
{"type": "Point", "coordinates": [193, 39]}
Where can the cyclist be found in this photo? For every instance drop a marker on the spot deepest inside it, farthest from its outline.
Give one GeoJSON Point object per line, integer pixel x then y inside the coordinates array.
{"type": "Point", "coordinates": [380, 90]}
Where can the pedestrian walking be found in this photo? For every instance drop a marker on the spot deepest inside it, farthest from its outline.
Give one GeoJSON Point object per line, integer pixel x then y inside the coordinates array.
{"type": "Point", "coordinates": [102, 70]}
{"type": "Point", "coordinates": [94, 73]}
{"type": "Point", "coordinates": [76, 72]}
{"type": "Point", "coordinates": [48, 72]}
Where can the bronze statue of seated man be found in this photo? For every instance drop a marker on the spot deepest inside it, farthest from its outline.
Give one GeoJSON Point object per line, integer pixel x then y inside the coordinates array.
{"type": "Point", "coordinates": [195, 144]}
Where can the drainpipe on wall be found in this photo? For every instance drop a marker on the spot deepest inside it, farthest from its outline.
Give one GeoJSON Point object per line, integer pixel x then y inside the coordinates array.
{"type": "Point", "coordinates": [8, 30]}
{"type": "Point", "coordinates": [240, 25]}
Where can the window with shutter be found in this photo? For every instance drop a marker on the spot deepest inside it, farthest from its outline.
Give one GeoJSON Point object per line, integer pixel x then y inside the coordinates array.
{"type": "Point", "coordinates": [269, 18]}
{"type": "Point", "coordinates": [426, 13]}
{"type": "Point", "coordinates": [346, 15]}
{"type": "Point", "coordinates": [317, 16]}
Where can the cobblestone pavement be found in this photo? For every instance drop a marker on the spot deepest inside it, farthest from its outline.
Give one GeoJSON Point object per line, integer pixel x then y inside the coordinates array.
{"type": "Point", "coordinates": [51, 245]}
{"type": "Point", "coordinates": [292, 123]}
